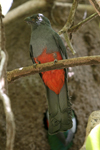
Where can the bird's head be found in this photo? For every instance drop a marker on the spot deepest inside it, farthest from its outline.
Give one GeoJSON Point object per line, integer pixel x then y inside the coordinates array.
{"type": "Point", "coordinates": [37, 19]}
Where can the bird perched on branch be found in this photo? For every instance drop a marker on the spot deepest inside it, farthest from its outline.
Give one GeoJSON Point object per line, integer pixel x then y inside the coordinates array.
{"type": "Point", "coordinates": [46, 46]}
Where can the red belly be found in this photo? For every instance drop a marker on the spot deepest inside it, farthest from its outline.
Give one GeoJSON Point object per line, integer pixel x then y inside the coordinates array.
{"type": "Point", "coordinates": [54, 79]}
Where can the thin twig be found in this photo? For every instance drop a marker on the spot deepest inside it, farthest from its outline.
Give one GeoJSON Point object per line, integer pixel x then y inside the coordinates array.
{"type": "Point", "coordinates": [96, 5]}
{"type": "Point", "coordinates": [81, 7]}
{"type": "Point", "coordinates": [68, 28]}
{"type": "Point", "coordinates": [66, 35]}
{"type": "Point", "coordinates": [70, 19]}
{"type": "Point", "coordinates": [76, 27]}
{"type": "Point", "coordinates": [25, 71]}
{"type": "Point", "coordinates": [68, 24]}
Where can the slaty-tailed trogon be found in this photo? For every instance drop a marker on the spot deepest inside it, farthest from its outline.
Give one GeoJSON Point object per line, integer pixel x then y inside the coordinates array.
{"type": "Point", "coordinates": [46, 46]}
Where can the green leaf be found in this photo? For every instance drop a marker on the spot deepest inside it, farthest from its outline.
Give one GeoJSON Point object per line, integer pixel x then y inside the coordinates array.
{"type": "Point", "coordinates": [93, 139]}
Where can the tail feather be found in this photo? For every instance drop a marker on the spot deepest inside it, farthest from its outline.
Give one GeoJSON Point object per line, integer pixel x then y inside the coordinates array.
{"type": "Point", "coordinates": [60, 113]}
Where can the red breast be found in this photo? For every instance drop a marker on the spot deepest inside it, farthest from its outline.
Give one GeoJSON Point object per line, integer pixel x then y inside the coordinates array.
{"type": "Point", "coordinates": [54, 79]}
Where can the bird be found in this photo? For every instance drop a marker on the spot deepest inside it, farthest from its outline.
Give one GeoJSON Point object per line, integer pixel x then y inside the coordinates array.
{"type": "Point", "coordinates": [47, 46]}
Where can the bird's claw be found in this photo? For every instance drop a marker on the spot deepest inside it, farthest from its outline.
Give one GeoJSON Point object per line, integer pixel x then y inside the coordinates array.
{"type": "Point", "coordinates": [55, 61]}
{"type": "Point", "coordinates": [34, 65]}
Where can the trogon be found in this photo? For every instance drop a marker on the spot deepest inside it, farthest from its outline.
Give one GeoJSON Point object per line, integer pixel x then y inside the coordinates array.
{"type": "Point", "coordinates": [46, 46]}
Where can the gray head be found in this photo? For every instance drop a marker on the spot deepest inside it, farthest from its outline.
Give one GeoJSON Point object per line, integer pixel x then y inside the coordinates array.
{"type": "Point", "coordinates": [37, 20]}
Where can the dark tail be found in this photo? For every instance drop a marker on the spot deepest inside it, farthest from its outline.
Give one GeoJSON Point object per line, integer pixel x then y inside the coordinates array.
{"type": "Point", "coordinates": [60, 113]}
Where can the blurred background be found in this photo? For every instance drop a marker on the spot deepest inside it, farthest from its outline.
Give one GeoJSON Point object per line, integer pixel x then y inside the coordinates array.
{"type": "Point", "coordinates": [27, 94]}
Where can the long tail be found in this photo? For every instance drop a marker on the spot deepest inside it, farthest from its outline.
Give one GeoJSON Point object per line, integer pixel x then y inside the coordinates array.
{"type": "Point", "coordinates": [60, 113]}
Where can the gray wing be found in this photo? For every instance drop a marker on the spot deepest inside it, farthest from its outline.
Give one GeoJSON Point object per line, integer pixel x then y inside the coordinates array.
{"type": "Point", "coordinates": [31, 54]}
{"type": "Point", "coordinates": [61, 47]}
{"type": "Point", "coordinates": [32, 57]}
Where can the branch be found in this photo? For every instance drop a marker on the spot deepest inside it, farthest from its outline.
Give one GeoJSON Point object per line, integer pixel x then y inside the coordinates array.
{"type": "Point", "coordinates": [10, 125]}
{"type": "Point", "coordinates": [34, 5]}
{"type": "Point", "coordinates": [81, 7]}
{"type": "Point", "coordinates": [76, 27]}
{"type": "Point", "coordinates": [3, 59]}
{"type": "Point", "coordinates": [71, 16]}
{"type": "Point", "coordinates": [24, 9]}
{"type": "Point", "coordinates": [25, 71]}
{"type": "Point", "coordinates": [69, 28]}
{"type": "Point", "coordinates": [68, 24]}
{"type": "Point", "coordinates": [96, 5]}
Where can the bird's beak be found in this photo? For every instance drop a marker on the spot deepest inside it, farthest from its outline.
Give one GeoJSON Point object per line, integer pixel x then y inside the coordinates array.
{"type": "Point", "coordinates": [28, 20]}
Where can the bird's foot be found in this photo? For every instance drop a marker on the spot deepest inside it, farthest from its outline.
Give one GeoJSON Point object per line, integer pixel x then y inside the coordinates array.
{"type": "Point", "coordinates": [34, 65]}
{"type": "Point", "coordinates": [55, 61]}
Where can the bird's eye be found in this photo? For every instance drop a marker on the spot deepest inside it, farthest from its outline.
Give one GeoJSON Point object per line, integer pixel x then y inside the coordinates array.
{"type": "Point", "coordinates": [40, 18]}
